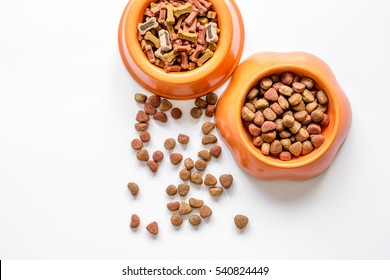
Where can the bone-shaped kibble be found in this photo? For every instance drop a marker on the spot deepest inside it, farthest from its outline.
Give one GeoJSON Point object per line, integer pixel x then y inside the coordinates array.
{"type": "Point", "coordinates": [189, 20]}
{"type": "Point", "coordinates": [183, 48]}
{"type": "Point", "coordinates": [169, 57]}
{"type": "Point", "coordinates": [170, 18]}
{"type": "Point", "coordinates": [198, 5]}
{"type": "Point", "coordinates": [205, 3]}
{"type": "Point", "coordinates": [183, 9]}
{"type": "Point", "coordinates": [160, 55]}
{"type": "Point", "coordinates": [203, 20]}
{"type": "Point", "coordinates": [201, 34]}
{"type": "Point", "coordinates": [173, 68]}
{"type": "Point", "coordinates": [192, 28]}
{"type": "Point", "coordinates": [149, 36]}
{"type": "Point", "coordinates": [163, 13]}
{"type": "Point", "coordinates": [169, 28]}
{"type": "Point", "coordinates": [212, 47]}
{"type": "Point", "coordinates": [165, 43]}
{"type": "Point", "coordinates": [194, 56]}
{"type": "Point", "coordinates": [207, 55]}
{"type": "Point", "coordinates": [184, 60]}
{"type": "Point", "coordinates": [187, 36]}
{"type": "Point", "coordinates": [147, 25]}
{"type": "Point", "coordinates": [211, 15]}
{"type": "Point", "coordinates": [211, 32]}
{"type": "Point", "coordinates": [150, 54]}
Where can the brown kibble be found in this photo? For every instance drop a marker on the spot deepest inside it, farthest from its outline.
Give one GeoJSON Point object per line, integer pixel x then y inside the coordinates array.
{"type": "Point", "coordinates": [295, 128]}
{"type": "Point", "coordinates": [309, 83]}
{"type": "Point", "coordinates": [310, 107]}
{"type": "Point", "coordinates": [250, 106]}
{"type": "Point", "coordinates": [209, 139]}
{"type": "Point", "coordinates": [241, 221]}
{"type": "Point", "coordinates": [152, 228]}
{"type": "Point", "coordinates": [286, 143]}
{"type": "Point", "coordinates": [142, 117]}
{"type": "Point", "coordinates": [317, 115]}
{"type": "Point", "coordinates": [285, 156]}
{"type": "Point", "coordinates": [176, 220]}
{"type": "Point", "coordinates": [184, 208]}
{"type": "Point", "coordinates": [296, 149]}
{"type": "Point", "coordinates": [325, 121]}
{"type": "Point", "coordinates": [279, 125]}
{"type": "Point", "coordinates": [265, 147]}
{"type": "Point", "coordinates": [257, 141]}
{"type": "Point", "coordinates": [287, 78]}
{"type": "Point", "coordinates": [161, 117]}
{"type": "Point", "coordinates": [154, 100]}
{"type": "Point", "coordinates": [285, 90]}
{"type": "Point", "coordinates": [269, 114]}
{"type": "Point", "coordinates": [200, 165]}
{"type": "Point", "coordinates": [144, 136]}
{"type": "Point", "coordinates": [247, 114]}
{"type": "Point", "coordinates": [252, 93]}
{"type": "Point", "coordinates": [269, 136]}
{"type": "Point", "coordinates": [210, 110]}
{"type": "Point", "coordinates": [196, 178]}
{"type": "Point", "coordinates": [259, 118]}
{"type": "Point", "coordinates": [200, 103]}
{"type": "Point", "coordinates": [173, 206]}
{"type": "Point", "coordinates": [135, 221]}
{"type": "Point", "coordinates": [143, 155]}
{"type": "Point", "coordinates": [276, 108]}
{"type": "Point", "coordinates": [205, 211]}
{"type": "Point", "coordinates": [276, 147]}
{"type": "Point", "coordinates": [133, 188]}
{"type": "Point", "coordinates": [153, 166]}
{"type": "Point", "coordinates": [215, 191]}
{"type": "Point", "coordinates": [261, 104]}
{"type": "Point", "coordinates": [226, 180]}
{"type": "Point", "coordinates": [210, 180]}
{"type": "Point", "coordinates": [300, 107]}
{"type": "Point", "coordinates": [211, 98]}
{"type": "Point", "coordinates": [322, 97]}
{"type": "Point", "coordinates": [207, 127]}
{"type": "Point", "coordinates": [205, 155]}
{"type": "Point", "coordinates": [171, 190]}
{"type": "Point", "coordinates": [302, 135]}
{"type": "Point", "coordinates": [196, 113]}
{"type": "Point", "coordinates": [215, 151]}
{"type": "Point", "coordinates": [185, 174]}
{"type": "Point", "coordinates": [183, 189]}
{"type": "Point", "coordinates": [307, 96]}
{"type": "Point", "coordinates": [267, 126]}
{"type": "Point", "coordinates": [317, 140]}
{"type": "Point", "coordinates": [307, 147]}
{"type": "Point", "coordinates": [165, 105]}
{"type": "Point", "coordinates": [194, 220]}
{"type": "Point", "coordinates": [307, 120]}
{"type": "Point", "coordinates": [136, 144]}
{"type": "Point", "coordinates": [176, 113]}
{"type": "Point", "coordinates": [183, 139]}
{"type": "Point", "coordinates": [323, 108]}
{"type": "Point", "coordinates": [169, 144]}
{"type": "Point", "coordinates": [175, 158]}
{"type": "Point", "coordinates": [140, 98]}
{"type": "Point", "coordinates": [254, 130]}
{"type": "Point", "coordinates": [149, 109]}
{"type": "Point", "coordinates": [195, 203]}
{"type": "Point", "coordinates": [271, 95]}
{"type": "Point", "coordinates": [265, 83]}
{"type": "Point", "coordinates": [314, 128]}
{"type": "Point", "coordinates": [189, 164]}
{"type": "Point", "coordinates": [295, 99]}
{"type": "Point", "coordinates": [141, 126]}
{"type": "Point", "coordinates": [288, 121]}
{"type": "Point", "coordinates": [298, 87]}
{"type": "Point", "coordinates": [158, 156]}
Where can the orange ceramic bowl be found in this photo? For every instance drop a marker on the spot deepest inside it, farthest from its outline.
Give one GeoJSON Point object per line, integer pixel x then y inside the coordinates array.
{"type": "Point", "coordinates": [189, 84]}
{"type": "Point", "coordinates": [238, 139]}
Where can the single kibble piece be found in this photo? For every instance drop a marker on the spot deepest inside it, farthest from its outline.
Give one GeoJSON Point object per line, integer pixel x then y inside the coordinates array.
{"type": "Point", "coordinates": [317, 140]}
{"type": "Point", "coordinates": [210, 180]}
{"type": "Point", "coordinates": [246, 114]}
{"type": "Point", "coordinates": [307, 147]}
{"type": "Point", "coordinates": [302, 135]}
{"type": "Point", "coordinates": [176, 113]}
{"type": "Point", "coordinates": [161, 117]}
{"type": "Point", "coordinates": [175, 158]}
{"type": "Point", "coordinates": [196, 178]}
{"type": "Point", "coordinates": [183, 189]}
{"type": "Point", "coordinates": [137, 144]}
{"type": "Point", "coordinates": [252, 93]}
{"type": "Point", "coordinates": [141, 126]}
{"type": "Point", "coordinates": [196, 113]}
{"type": "Point", "coordinates": [322, 97]}
{"type": "Point", "coordinates": [149, 109]}
{"type": "Point", "coordinates": [259, 118]}
{"type": "Point", "coordinates": [185, 174]}
{"type": "Point", "coordinates": [269, 114]}
{"type": "Point", "coordinates": [169, 144]}
{"type": "Point", "coordinates": [200, 103]}
{"type": "Point", "coordinates": [171, 190]}
{"type": "Point", "coordinates": [205, 211]}
{"type": "Point", "coordinates": [195, 203]}
{"type": "Point", "coordinates": [143, 155]}
{"type": "Point", "coordinates": [173, 206]}
{"type": "Point", "coordinates": [165, 105]}
{"type": "Point", "coordinates": [265, 147]}
{"type": "Point", "coordinates": [144, 136]}
{"type": "Point", "coordinates": [215, 151]}
{"type": "Point", "coordinates": [266, 127]}
{"type": "Point", "coordinates": [133, 188]}
{"type": "Point", "coordinates": [153, 166]}
{"type": "Point", "coordinates": [194, 220]}
{"type": "Point", "coordinates": [152, 228]}
{"type": "Point", "coordinates": [183, 139]}
{"type": "Point", "coordinates": [142, 117]}
{"type": "Point", "coordinates": [317, 115]}
{"type": "Point", "coordinates": [241, 221]}
{"type": "Point", "coordinates": [309, 83]}
{"type": "Point", "coordinates": [209, 139]}
{"type": "Point", "coordinates": [140, 98]}
{"type": "Point", "coordinates": [200, 165]}
{"type": "Point", "coordinates": [211, 98]}
{"type": "Point", "coordinates": [287, 78]}
{"type": "Point", "coordinates": [176, 220]}
{"type": "Point", "coordinates": [207, 127]}
{"type": "Point", "coordinates": [325, 121]}
{"type": "Point", "coordinates": [154, 100]}
{"type": "Point", "coordinates": [215, 191]}
{"type": "Point", "coordinates": [271, 95]}
{"type": "Point", "coordinates": [285, 156]}
{"type": "Point", "coordinates": [269, 136]}
{"type": "Point", "coordinates": [265, 83]}
{"type": "Point", "coordinates": [189, 164]}
{"type": "Point", "coordinates": [301, 116]}
{"type": "Point", "coordinates": [205, 155]}
{"type": "Point", "coordinates": [276, 147]}
{"type": "Point", "coordinates": [184, 208]}
{"type": "Point", "coordinates": [134, 221]}
{"type": "Point", "coordinates": [158, 156]}
{"type": "Point", "coordinates": [254, 130]}
{"type": "Point", "coordinates": [298, 87]}
{"type": "Point", "coordinates": [226, 180]}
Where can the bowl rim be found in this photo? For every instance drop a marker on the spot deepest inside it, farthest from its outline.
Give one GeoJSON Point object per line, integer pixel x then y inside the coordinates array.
{"type": "Point", "coordinates": [320, 80]}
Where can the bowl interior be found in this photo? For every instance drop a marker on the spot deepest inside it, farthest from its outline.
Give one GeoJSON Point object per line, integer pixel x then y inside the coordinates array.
{"type": "Point", "coordinates": [329, 132]}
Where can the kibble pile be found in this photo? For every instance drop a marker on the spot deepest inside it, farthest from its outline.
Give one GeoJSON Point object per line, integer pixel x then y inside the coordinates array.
{"type": "Point", "coordinates": [192, 171]}
{"type": "Point", "coordinates": [285, 114]}
{"type": "Point", "coordinates": [179, 35]}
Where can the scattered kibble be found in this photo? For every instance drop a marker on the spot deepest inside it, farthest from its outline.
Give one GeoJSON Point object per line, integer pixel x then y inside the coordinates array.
{"type": "Point", "coordinates": [171, 190]}
{"type": "Point", "coordinates": [134, 221]}
{"type": "Point", "coordinates": [189, 164]}
{"type": "Point", "coordinates": [205, 155]}
{"type": "Point", "coordinates": [183, 189]}
{"type": "Point", "coordinates": [215, 151]}
{"type": "Point", "coordinates": [241, 221]}
{"type": "Point", "coordinates": [169, 144]}
{"type": "Point", "coordinates": [194, 220]}
{"type": "Point", "coordinates": [184, 208]}
{"type": "Point", "coordinates": [176, 220]}
{"type": "Point", "coordinates": [173, 206]}
{"type": "Point", "coordinates": [209, 139]}
{"type": "Point", "coordinates": [196, 178]}
{"type": "Point", "coordinates": [183, 139]}
{"type": "Point", "coordinates": [175, 158]}
{"type": "Point", "coordinates": [158, 156]}
{"type": "Point", "coordinates": [165, 105]}
{"type": "Point", "coordinates": [143, 155]}
{"type": "Point", "coordinates": [210, 180]}
{"type": "Point", "coordinates": [196, 112]}
{"type": "Point", "coordinates": [176, 113]}
{"type": "Point", "coordinates": [140, 98]}
{"type": "Point", "coordinates": [152, 228]}
{"type": "Point", "coordinates": [153, 166]}
{"type": "Point", "coordinates": [200, 165]}
{"type": "Point", "coordinates": [195, 203]}
{"type": "Point", "coordinates": [207, 127]}
{"type": "Point", "coordinates": [215, 191]}
{"type": "Point", "coordinates": [133, 188]}
{"type": "Point", "coordinates": [205, 211]}
{"type": "Point", "coordinates": [136, 144]}
{"type": "Point", "coordinates": [144, 136]}
{"type": "Point", "coordinates": [226, 180]}
{"type": "Point", "coordinates": [185, 174]}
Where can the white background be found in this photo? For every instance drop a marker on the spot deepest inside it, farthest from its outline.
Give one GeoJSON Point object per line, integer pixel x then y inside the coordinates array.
{"type": "Point", "coordinates": [66, 121]}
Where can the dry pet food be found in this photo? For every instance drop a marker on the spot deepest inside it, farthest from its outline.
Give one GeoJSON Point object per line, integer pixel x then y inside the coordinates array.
{"type": "Point", "coordinates": [285, 118]}
{"type": "Point", "coordinates": [194, 220]}
{"type": "Point", "coordinates": [134, 221]}
{"type": "Point", "coordinates": [176, 220]}
{"type": "Point", "coordinates": [175, 158]}
{"type": "Point", "coordinates": [152, 228]}
{"type": "Point", "coordinates": [205, 211]}
{"type": "Point", "coordinates": [171, 190]}
{"type": "Point", "coordinates": [215, 191]}
{"type": "Point", "coordinates": [133, 188]}
{"type": "Point", "coordinates": [195, 203]}
{"type": "Point", "coordinates": [226, 180]}
{"type": "Point", "coordinates": [173, 206]}
{"type": "Point", "coordinates": [241, 221]}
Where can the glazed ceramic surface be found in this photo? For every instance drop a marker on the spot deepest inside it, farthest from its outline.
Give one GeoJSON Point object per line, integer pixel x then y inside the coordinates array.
{"type": "Point", "coordinates": [189, 84]}
{"type": "Point", "coordinates": [238, 139]}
